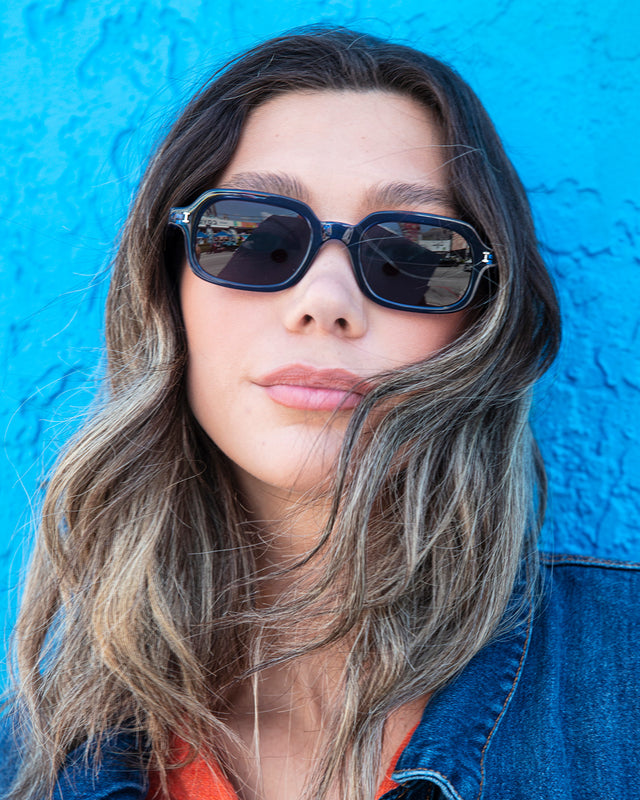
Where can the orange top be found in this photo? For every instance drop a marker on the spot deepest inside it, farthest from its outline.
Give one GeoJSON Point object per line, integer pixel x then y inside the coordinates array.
{"type": "Point", "coordinates": [204, 780]}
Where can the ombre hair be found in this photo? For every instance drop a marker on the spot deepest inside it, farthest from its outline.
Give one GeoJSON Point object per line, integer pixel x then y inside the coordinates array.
{"type": "Point", "coordinates": [139, 610]}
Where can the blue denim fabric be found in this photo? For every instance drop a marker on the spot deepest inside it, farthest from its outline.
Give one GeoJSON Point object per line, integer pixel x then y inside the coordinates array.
{"type": "Point", "coordinates": [549, 710]}
{"type": "Point", "coordinates": [119, 776]}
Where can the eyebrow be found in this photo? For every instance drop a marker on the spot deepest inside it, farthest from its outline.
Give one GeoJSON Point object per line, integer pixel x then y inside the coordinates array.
{"type": "Point", "coordinates": [271, 182]}
{"type": "Point", "coordinates": [384, 196]}
{"type": "Point", "coordinates": [398, 193]}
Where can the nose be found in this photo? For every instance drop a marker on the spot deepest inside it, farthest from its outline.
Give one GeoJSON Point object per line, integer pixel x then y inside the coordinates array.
{"type": "Point", "coordinates": [327, 299]}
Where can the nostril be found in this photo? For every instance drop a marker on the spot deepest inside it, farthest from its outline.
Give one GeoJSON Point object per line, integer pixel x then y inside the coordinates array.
{"type": "Point", "coordinates": [342, 323]}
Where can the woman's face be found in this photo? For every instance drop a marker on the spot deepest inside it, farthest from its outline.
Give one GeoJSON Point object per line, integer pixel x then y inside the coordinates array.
{"type": "Point", "coordinates": [259, 379]}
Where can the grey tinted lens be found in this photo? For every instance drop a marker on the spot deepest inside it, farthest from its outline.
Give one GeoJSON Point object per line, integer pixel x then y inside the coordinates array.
{"type": "Point", "coordinates": [251, 243]}
{"type": "Point", "coordinates": [416, 265]}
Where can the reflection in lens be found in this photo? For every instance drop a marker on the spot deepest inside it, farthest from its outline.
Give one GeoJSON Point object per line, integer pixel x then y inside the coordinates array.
{"type": "Point", "coordinates": [414, 264]}
{"type": "Point", "coordinates": [251, 243]}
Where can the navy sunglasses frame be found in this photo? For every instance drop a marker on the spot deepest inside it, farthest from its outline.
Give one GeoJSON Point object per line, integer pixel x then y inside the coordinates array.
{"type": "Point", "coordinates": [187, 218]}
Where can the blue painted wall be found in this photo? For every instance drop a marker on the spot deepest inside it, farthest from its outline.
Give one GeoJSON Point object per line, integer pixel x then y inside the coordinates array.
{"type": "Point", "coordinates": [88, 87]}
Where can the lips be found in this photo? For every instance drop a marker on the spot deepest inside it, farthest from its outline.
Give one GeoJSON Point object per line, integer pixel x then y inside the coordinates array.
{"type": "Point", "coordinates": [299, 386]}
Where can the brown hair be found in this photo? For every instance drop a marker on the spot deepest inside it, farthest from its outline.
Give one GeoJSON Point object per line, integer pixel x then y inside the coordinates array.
{"type": "Point", "coordinates": [139, 609]}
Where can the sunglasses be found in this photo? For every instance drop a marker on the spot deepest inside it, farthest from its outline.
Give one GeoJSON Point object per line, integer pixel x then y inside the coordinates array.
{"type": "Point", "coordinates": [266, 243]}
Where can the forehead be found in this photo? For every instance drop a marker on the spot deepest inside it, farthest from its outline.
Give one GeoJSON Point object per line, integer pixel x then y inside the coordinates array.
{"type": "Point", "coordinates": [336, 147]}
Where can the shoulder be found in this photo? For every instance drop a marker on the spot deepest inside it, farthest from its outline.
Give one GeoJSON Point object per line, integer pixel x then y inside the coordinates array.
{"type": "Point", "coordinates": [587, 621]}
{"type": "Point", "coordinates": [592, 568]}
{"type": "Point", "coordinates": [117, 775]}
{"type": "Point", "coordinates": [580, 592]}
{"type": "Point", "coordinates": [9, 752]}
{"type": "Point", "coordinates": [571, 717]}
{"type": "Point", "coordinates": [575, 711]}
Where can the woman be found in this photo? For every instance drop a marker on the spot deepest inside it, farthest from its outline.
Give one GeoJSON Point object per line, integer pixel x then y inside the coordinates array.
{"type": "Point", "coordinates": [293, 555]}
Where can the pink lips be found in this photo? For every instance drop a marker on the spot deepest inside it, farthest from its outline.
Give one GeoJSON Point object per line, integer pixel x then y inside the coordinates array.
{"type": "Point", "coordinates": [297, 386]}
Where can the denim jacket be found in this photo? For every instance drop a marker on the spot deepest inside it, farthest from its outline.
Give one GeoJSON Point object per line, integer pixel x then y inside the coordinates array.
{"type": "Point", "coordinates": [549, 710]}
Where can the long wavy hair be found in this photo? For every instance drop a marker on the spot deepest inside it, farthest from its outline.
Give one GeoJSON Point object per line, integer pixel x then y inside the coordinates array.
{"type": "Point", "coordinates": [139, 610]}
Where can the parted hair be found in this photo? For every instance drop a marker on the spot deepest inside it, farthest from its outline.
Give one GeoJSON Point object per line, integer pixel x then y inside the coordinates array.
{"type": "Point", "coordinates": [139, 608]}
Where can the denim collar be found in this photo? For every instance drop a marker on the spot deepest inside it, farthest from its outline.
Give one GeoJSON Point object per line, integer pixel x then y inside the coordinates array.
{"type": "Point", "coordinates": [449, 745]}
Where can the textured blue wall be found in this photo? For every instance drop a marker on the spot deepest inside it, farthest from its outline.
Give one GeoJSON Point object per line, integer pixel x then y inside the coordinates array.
{"type": "Point", "coordinates": [88, 88]}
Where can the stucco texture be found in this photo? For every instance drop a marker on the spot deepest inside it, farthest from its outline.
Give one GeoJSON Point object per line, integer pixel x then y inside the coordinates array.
{"type": "Point", "coordinates": [88, 88]}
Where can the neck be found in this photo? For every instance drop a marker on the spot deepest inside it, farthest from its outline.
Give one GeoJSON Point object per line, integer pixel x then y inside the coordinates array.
{"type": "Point", "coordinates": [282, 715]}
{"type": "Point", "coordinates": [300, 691]}
{"type": "Point", "coordinates": [289, 525]}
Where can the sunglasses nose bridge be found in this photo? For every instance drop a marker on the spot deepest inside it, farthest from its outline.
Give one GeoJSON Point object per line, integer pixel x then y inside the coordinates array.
{"type": "Point", "coordinates": [340, 232]}
{"type": "Point", "coordinates": [336, 230]}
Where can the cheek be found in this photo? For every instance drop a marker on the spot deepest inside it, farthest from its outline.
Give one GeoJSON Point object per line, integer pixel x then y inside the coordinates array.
{"type": "Point", "coordinates": [442, 329]}
{"type": "Point", "coordinates": [411, 337]}
{"type": "Point", "coordinates": [200, 313]}
{"type": "Point", "coordinates": [219, 322]}
{"type": "Point", "coordinates": [212, 342]}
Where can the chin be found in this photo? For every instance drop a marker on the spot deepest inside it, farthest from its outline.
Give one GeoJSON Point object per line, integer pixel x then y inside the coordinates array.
{"type": "Point", "coordinates": [308, 478]}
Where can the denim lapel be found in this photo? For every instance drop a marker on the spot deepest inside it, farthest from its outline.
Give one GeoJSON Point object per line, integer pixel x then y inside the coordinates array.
{"type": "Point", "coordinates": [450, 744]}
